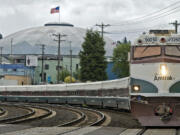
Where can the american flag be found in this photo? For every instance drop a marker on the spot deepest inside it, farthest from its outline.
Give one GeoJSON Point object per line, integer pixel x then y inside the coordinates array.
{"type": "Point", "coordinates": [114, 43]}
{"type": "Point", "coordinates": [55, 10]}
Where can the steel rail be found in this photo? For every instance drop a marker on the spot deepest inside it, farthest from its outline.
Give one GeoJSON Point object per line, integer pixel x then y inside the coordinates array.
{"type": "Point", "coordinates": [141, 132]}
{"type": "Point", "coordinates": [7, 120]}
{"type": "Point", "coordinates": [25, 118]}
{"type": "Point", "coordinates": [98, 122]}
{"type": "Point", "coordinates": [49, 112]}
{"type": "Point", "coordinates": [2, 111]}
{"type": "Point", "coordinates": [177, 131]}
{"type": "Point", "coordinates": [82, 117]}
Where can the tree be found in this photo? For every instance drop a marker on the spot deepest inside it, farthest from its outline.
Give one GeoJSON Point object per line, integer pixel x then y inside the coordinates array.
{"type": "Point", "coordinates": [125, 40]}
{"type": "Point", "coordinates": [64, 74]}
{"type": "Point", "coordinates": [76, 74]}
{"type": "Point", "coordinates": [92, 58]}
{"type": "Point", "coordinates": [120, 59]}
{"type": "Point", "coordinates": [68, 79]}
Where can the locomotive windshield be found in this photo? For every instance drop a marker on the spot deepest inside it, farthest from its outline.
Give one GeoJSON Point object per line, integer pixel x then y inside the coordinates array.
{"type": "Point", "coordinates": [140, 52]}
{"type": "Point", "coordinates": [172, 51]}
{"type": "Point", "coordinates": [146, 51]}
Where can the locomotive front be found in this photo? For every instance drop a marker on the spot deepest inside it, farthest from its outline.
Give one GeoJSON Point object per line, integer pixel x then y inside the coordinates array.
{"type": "Point", "coordinates": [155, 79]}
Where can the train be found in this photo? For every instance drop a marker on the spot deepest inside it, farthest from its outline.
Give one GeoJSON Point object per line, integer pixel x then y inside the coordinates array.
{"type": "Point", "coordinates": [112, 94]}
{"type": "Point", "coordinates": [118, 103]}
{"type": "Point", "coordinates": [151, 92]}
{"type": "Point", "coordinates": [155, 78]}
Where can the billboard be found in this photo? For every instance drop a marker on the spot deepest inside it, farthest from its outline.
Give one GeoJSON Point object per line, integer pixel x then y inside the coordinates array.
{"type": "Point", "coordinates": [31, 61]}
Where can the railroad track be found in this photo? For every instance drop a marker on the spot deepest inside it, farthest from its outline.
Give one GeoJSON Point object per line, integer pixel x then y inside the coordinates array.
{"type": "Point", "coordinates": [83, 121]}
{"type": "Point", "coordinates": [2, 111]}
{"type": "Point", "coordinates": [100, 117]}
{"type": "Point", "coordinates": [13, 118]}
{"type": "Point", "coordinates": [81, 116]}
{"type": "Point", "coordinates": [34, 113]}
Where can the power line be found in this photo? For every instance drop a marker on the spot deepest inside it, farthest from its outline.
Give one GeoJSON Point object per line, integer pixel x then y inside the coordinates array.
{"type": "Point", "coordinates": [128, 30]}
{"type": "Point", "coordinates": [155, 12]}
{"type": "Point", "coordinates": [158, 17]}
{"type": "Point", "coordinates": [59, 36]}
{"type": "Point", "coordinates": [155, 15]}
{"type": "Point", "coordinates": [150, 15]}
{"type": "Point", "coordinates": [132, 29]}
{"type": "Point", "coordinates": [151, 19]}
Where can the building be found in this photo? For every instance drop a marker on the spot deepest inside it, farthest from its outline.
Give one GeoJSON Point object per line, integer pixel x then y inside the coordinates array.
{"type": "Point", "coordinates": [29, 42]}
{"type": "Point", "coordinates": [50, 67]}
{"type": "Point", "coordinates": [19, 74]}
{"type": "Point", "coordinates": [110, 74]}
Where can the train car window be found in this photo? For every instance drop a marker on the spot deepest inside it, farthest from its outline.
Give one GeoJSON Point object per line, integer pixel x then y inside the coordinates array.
{"type": "Point", "coordinates": [146, 51]}
{"type": "Point", "coordinates": [172, 51]}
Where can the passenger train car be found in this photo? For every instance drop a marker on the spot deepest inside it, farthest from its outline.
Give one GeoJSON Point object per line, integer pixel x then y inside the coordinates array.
{"type": "Point", "coordinates": [155, 78]}
{"type": "Point", "coordinates": [111, 94]}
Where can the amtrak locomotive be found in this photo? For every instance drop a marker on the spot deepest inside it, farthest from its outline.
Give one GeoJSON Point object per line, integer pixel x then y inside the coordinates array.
{"type": "Point", "coordinates": [155, 78]}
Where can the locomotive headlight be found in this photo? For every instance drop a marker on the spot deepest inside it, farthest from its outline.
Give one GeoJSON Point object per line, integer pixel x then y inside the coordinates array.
{"type": "Point", "coordinates": [163, 69]}
{"type": "Point", "coordinates": [136, 88]}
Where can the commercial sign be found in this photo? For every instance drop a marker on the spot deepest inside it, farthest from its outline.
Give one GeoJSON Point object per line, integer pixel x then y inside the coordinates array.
{"type": "Point", "coordinates": [31, 61]}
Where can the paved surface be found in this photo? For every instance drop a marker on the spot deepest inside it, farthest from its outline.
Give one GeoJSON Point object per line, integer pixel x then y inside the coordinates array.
{"type": "Point", "coordinates": [27, 130]}
{"type": "Point", "coordinates": [130, 132]}
{"type": "Point", "coordinates": [23, 130]}
{"type": "Point", "coordinates": [12, 128]}
{"type": "Point", "coordinates": [41, 131]}
{"type": "Point", "coordinates": [107, 131]}
{"type": "Point", "coordinates": [160, 132]}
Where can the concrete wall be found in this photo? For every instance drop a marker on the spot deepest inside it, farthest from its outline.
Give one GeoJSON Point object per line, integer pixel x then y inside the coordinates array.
{"type": "Point", "coordinates": [22, 80]}
{"type": "Point", "coordinates": [8, 82]}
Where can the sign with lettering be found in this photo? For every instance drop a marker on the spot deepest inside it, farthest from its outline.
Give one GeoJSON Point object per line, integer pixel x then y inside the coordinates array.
{"type": "Point", "coordinates": [159, 39]}
{"type": "Point", "coordinates": [173, 39]}
{"type": "Point", "coordinates": [159, 77]}
{"type": "Point", "coordinates": [151, 39]}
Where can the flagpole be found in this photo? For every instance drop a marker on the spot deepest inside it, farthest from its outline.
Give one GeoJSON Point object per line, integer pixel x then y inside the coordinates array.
{"type": "Point", "coordinates": [59, 17]}
{"type": "Point", "coordinates": [59, 14]}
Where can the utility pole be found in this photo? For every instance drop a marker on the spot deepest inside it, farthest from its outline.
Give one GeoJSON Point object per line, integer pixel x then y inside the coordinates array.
{"type": "Point", "coordinates": [42, 64]}
{"type": "Point", "coordinates": [102, 26]}
{"type": "Point", "coordinates": [11, 45]}
{"type": "Point", "coordinates": [59, 36]}
{"type": "Point", "coordinates": [11, 57]}
{"type": "Point", "coordinates": [70, 59]}
{"type": "Point", "coordinates": [1, 48]}
{"type": "Point", "coordinates": [176, 24]}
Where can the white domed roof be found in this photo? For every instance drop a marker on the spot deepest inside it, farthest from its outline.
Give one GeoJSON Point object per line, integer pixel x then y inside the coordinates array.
{"type": "Point", "coordinates": [28, 41]}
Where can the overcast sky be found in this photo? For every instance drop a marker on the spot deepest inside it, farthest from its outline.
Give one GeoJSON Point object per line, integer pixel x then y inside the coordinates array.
{"type": "Point", "coordinates": [127, 17]}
